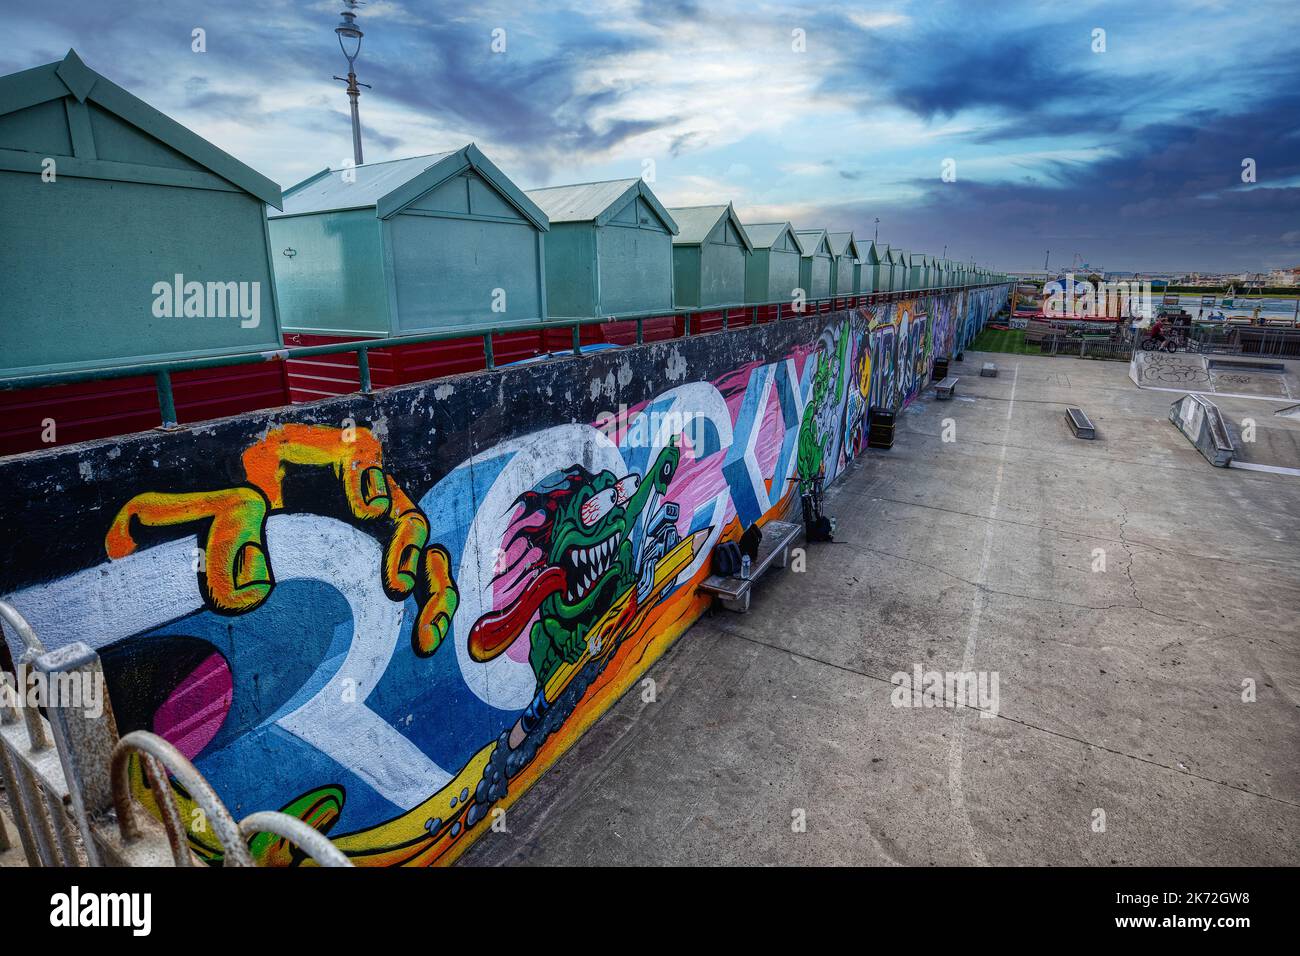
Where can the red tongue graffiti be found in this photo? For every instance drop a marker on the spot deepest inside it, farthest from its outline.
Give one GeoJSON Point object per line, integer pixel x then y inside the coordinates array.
{"type": "Point", "coordinates": [493, 633]}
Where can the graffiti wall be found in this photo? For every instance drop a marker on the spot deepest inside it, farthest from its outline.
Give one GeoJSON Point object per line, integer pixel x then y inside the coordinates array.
{"type": "Point", "coordinates": [906, 337]}
{"type": "Point", "coordinates": [388, 614]}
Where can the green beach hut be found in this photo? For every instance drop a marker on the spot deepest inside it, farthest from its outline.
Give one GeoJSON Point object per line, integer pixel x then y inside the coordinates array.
{"type": "Point", "coordinates": [772, 269]}
{"type": "Point", "coordinates": [815, 268]}
{"type": "Point", "coordinates": [918, 276]}
{"type": "Point", "coordinates": [125, 237]}
{"type": "Point", "coordinates": [845, 254]}
{"type": "Point", "coordinates": [869, 268]}
{"type": "Point", "coordinates": [610, 249]}
{"type": "Point", "coordinates": [902, 270]}
{"type": "Point", "coordinates": [427, 243]}
{"type": "Point", "coordinates": [710, 253]}
{"type": "Point", "coordinates": [885, 277]}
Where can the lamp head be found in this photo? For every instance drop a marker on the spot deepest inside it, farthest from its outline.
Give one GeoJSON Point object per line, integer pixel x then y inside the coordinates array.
{"type": "Point", "coordinates": [349, 35]}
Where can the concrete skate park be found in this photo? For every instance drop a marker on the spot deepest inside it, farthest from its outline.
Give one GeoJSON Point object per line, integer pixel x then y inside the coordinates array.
{"type": "Point", "coordinates": [1121, 689]}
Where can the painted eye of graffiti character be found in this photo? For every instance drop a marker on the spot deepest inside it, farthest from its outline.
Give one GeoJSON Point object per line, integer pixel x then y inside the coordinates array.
{"type": "Point", "coordinates": [625, 489]}
{"type": "Point", "coordinates": [597, 506]}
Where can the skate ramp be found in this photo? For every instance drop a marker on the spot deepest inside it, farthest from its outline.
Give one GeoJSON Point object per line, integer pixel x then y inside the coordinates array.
{"type": "Point", "coordinates": [1238, 376]}
{"type": "Point", "coordinates": [1201, 422]}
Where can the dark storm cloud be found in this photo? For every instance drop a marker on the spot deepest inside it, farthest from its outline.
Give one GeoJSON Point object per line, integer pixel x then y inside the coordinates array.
{"type": "Point", "coordinates": [1162, 194]}
{"type": "Point", "coordinates": [1030, 84]}
{"type": "Point", "coordinates": [441, 66]}
{"type": "Point", "coordinates": [942, 73]}
{"type": "Point", "coordinates": [526, 99]}
{"type": "Point", "coordinates": [1020, 77]}
{"type": "Point", "coordinates": [1170, 197]}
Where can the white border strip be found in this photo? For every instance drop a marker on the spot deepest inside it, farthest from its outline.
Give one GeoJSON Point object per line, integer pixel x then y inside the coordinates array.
{"type": "Point", "coordinates": [1190, 391]}
{"type": "Point", "coordinates": [1271, 469]}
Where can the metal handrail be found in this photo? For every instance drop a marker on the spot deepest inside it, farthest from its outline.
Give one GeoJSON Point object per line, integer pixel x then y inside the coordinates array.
{"type": "Point", "coordinates": [314, 843]}
{"type": "Point", "coordinates": [162, 371]}
{"type": "Point", "coordinates": [31, 773]}
{"type": "Point", "coordinates": [58, 768]}
{"type": "Point", "coordinates": [158, 757]}
{"type": "Point", "coordinates": [9, 614]}
{"type": "Point", "coordinates": [37, 734]}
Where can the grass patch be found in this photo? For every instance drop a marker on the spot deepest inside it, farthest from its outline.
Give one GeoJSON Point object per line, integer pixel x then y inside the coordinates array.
{"type": "Point", "coordinates": [1011, 340]}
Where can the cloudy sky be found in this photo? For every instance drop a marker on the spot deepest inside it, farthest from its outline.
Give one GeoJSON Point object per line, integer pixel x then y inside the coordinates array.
{"type": "Point", "coordinates": [829, 115]}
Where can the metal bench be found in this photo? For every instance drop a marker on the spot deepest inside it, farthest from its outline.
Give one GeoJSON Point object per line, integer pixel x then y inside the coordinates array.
{"type": "Point", "coordinates": [943, 390]}
{"type": "Point", "coordinates": [1080, 423]}
{"type": "Point", "coordinates": [733, 593]}
{"type": "Point", "coordinates": [988, 370]}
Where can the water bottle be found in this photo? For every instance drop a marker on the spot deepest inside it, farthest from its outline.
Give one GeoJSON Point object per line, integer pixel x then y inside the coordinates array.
{"type": "Point", "coordinates": [744, 567]}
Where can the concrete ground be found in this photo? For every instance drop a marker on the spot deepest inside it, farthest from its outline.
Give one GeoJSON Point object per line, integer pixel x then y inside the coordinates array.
{"type": "Point", "coordinates": [1120, 690]}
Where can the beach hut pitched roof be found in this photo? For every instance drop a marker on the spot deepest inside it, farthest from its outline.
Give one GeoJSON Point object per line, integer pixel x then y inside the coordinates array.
{"type": "Point", "coordinates": [843, 243]}
{"type": "Point", "coordinates": [71, 77]}
{"type": "Point", "coordinates": [765, 235]}
{"type": "Point", "coordinates": [597, 202]}
{"type": "Point", "coordinates": [389, 187]}
{"type": "Point", "coordinates": [814, 241]}
{"type": "Point", "coordinates": [697, 222]}
{"type": "Point", "coordinates": [355, 187]}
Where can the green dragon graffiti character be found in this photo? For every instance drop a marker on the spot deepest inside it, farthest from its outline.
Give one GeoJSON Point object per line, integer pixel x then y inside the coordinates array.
{"type": "Point", "coordinates": [815, 431]}
{"type": "Point", "coordinates": [582, 526]}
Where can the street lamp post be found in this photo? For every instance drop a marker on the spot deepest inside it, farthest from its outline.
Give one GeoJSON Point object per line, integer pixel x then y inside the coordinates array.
{"type": "Point", "coordinates": [876, 237]}
{"type": "Point", "coordinates": [350, 35]}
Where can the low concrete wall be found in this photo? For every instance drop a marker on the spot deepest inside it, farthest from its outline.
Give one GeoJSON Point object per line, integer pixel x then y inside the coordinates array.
{"type": "Point", "coordinates": [388, 614]}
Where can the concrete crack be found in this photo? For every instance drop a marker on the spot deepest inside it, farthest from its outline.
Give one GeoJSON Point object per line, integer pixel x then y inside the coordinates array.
{"type": "Point", "coordinates": [1128, 566]}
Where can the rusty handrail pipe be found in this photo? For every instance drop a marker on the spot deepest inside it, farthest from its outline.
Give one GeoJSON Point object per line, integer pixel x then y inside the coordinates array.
{"type": "Point", "coordinates": [9, 614]}
{"type": "Point", "coordinates": [38, 737]}
{"type": "Point", "coordinates": [158, 757]}
{"type": "Point", "coordinates": [314, 843]}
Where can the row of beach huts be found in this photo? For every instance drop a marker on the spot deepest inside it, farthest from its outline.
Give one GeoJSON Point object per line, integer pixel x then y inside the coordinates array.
{"type": "Point", "coordinates": [139, 255]}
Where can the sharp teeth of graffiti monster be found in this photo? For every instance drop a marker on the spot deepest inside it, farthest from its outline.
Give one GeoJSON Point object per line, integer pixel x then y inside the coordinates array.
{"type": "Point", "coordinates": [586, 565]}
